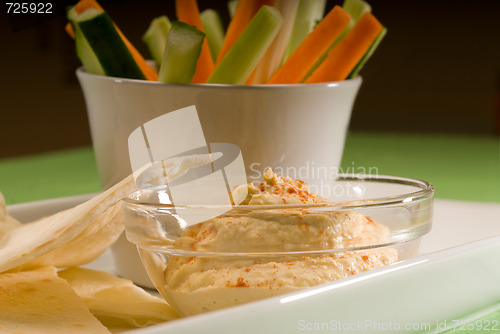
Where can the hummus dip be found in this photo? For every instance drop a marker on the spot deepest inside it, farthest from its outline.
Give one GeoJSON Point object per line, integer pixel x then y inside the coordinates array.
{"type": "Point", "coordinates": [197, 284]}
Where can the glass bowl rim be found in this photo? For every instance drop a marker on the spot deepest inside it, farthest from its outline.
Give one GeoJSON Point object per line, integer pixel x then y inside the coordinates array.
{"type": "Point", "coordinates": [425, 191]}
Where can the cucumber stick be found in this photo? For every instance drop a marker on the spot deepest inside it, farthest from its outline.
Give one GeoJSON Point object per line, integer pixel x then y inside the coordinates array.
{"type": "Point", "coordinates": [86, 55]}
{"type": "Point", "coordinates": [246, 52]}
{"type": "Point", "coordinates": [83, 49]}
{"type": "Point", "coordinates": [156, 37]}
{"type": "Point", "coordinates": [368, 54]}
{"type": "Point", "coordinates": [182, 51]}
{"type": "Point", "coordinates": [212, 25]}
{"type": "Point", "coordinates": [111, 53]}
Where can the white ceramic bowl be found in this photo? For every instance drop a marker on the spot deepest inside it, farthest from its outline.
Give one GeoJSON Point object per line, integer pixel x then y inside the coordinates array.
{"type": "Point", "coordinates": [288, 126]}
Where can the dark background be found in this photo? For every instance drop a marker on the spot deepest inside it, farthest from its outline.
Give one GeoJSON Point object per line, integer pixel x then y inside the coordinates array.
{"type": "Point", "coordinates": [437, 71]}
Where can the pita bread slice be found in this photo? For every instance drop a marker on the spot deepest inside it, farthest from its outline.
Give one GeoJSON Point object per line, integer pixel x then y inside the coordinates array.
{"type": "Point", "coordinates": [7, 223]}
{"type": "Point", "coordinates": [117, 302]}
{"type": "Point", "coordinates": [87, 246]}
{"type": "Point", "coordinates": [40, 302]}
{"type": "Point", "coordinates": [31, 240]}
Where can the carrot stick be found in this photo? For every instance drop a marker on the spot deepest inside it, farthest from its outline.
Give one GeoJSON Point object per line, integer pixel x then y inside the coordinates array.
{"type": "Point", "coordinates": [69, 29]}
{"type": "Point", "coordinates": [250, 78]}
{"type": "Point", "coordinates": [342, 59]}
{"type": "Point", "coordinates": [83, 5]}
{"type": "Point", "coordinates": [313, 46]}
{"type": "Point", "coordinates": [147, 70]}
{"type": "Point", "coordinates": [188, 12]}
{"type": "Point", "coordinates": [245, 11]}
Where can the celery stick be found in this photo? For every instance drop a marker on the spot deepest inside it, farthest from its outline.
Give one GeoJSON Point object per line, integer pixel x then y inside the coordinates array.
{"type": "Point", "coordinates": [271, 60]}
{"type": "Point", "coordinates": [368, 54]}
{"type": "Point", "coordinates": [212, 25]}
{"type": "Point", "coordinates": [231, 7]}
{"type": "Point", "coordinates": [156, 37]}
{"type": "Point", "coordinates": [356, 8]}
{"type": "Point", "coordinates": [248, 49]}
{"type": "Point", "coordinates": [308, 13]}
{"type": "Point", "coordinates": [182, 50]}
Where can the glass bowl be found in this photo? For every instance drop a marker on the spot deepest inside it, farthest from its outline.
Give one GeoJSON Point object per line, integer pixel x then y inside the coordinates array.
{"type": "Point", "coordinates": [249, 252]}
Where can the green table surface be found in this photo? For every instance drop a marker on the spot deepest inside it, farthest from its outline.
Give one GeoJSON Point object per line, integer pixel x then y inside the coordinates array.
{"type": "Point", "coordinates": [461, 167]}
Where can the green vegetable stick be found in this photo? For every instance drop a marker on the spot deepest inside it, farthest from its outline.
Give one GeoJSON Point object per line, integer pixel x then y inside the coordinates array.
{"type": "Point", "coordinates": [231, 7]}
{"type": "Point", "coordinates": [182, 50]}
{"type": "Point", "coordinates": [248, 49]}
{"type": "Point", "coordinates": [83, 49]}
{"type": "Point", "coordinates": [156, 37]}
{"type": "Point", "coordinates": [86, 54]}
{"type": "Point", "coordinates": [368, 54]}
{"type": "Point", "coordinates": [108, 46]}
{"type": "Point", "coordinates": [308, 13]}
{"type": "Point", "coordinates": [356, 8]}
{"type": "Point", "coordinates": [212, 25]}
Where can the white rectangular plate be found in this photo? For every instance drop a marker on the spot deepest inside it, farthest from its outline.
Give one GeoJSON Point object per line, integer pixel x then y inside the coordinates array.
{"type": "Point", "coordinates": [455, 276]}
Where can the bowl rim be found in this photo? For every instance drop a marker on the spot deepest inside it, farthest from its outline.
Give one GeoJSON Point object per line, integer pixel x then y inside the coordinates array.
{"type": "Point", "coordinates": [425, 190]}
{"type": "Point", "coordinates": [81, 73]}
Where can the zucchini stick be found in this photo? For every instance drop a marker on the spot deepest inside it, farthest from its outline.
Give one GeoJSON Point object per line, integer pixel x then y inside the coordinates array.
{"type": "Point", "coordinates": [110, 49]}
{"type": "Point", "coordinates": [147, 70]}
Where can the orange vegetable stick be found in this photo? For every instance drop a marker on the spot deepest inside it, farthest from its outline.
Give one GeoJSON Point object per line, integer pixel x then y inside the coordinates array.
{"type": "Point", "coordinates": [188, 12]}
{"type": "Point", "coordinates": [314, 45]}
{"type": "Point", "coordinates": [148, 71]}
{"type": "Point", "coordinates": [83, 5]}
{"type": "Point", "coordinates": [69, 29]}
{"type": "Point", "coordinates": [348, 52]}
{"type": "Point", "coordinates": [245, 11]}
{"type": "Point", "coordinates": [250, 78]}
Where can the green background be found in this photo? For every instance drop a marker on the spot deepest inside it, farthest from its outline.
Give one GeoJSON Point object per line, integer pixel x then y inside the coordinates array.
{"type": "Point", "coordinates": [460, 167]}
